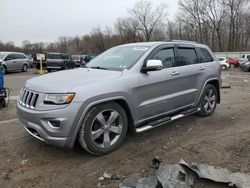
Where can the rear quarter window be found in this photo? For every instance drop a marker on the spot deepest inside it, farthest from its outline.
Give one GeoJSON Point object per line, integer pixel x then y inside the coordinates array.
{"type": "Point", "coordinates": [204, 56]}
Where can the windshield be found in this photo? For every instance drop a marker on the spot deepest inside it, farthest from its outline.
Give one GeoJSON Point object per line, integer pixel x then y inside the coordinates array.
{"type": "Point", "coordinates": [118, 58]}
{"type": "Point", "coordinates": [2, 55]}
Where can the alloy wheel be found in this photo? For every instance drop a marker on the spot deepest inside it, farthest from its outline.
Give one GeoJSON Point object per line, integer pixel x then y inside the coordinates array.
{"type": "Point", "coordinates": [106, 128]}
{"type": "Point", "coordinates": [209, 101]}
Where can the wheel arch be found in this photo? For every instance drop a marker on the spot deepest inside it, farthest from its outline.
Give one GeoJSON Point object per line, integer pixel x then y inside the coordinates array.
{"type": "Point", "coordinates": [83, 111]}
{"type": "Point", "coordinates": [216, 83]}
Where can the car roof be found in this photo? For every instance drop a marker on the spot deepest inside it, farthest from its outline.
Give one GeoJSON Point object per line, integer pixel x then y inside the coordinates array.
{"type": "Point", "coordinates": [5, 52]}
{"type": "Point", "coordinates": [157, 43]}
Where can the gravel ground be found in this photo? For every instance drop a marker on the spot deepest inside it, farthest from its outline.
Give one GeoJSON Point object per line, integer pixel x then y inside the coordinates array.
{"type": "Point", "coordinates": [221, 140]}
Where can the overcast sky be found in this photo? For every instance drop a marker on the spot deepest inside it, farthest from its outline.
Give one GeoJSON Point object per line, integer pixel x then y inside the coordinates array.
{"type": "Point", "coordinates": [46, 20]}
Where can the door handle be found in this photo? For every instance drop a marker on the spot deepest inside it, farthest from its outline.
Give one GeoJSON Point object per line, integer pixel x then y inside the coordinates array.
{"type": "Point", "coordinates": [202, 68]}
{"type": "Point", "coordinates": [175, 73]}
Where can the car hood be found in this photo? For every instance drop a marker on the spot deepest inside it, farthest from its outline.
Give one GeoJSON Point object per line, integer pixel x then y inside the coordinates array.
{"type": "Point", "coordinates": [66, 81]}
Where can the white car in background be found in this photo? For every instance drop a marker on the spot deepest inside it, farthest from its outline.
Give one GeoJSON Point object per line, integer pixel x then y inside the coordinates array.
{"type": "Point", "coordinates": [223, 63]}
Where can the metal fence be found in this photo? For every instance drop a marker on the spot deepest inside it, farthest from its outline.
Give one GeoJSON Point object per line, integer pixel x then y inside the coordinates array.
{"type": "Point", "coordinates": [231, 54]}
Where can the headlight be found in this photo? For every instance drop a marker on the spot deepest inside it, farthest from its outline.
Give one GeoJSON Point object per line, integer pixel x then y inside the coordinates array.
{"type": "Point", "coordinates": [63, 98]}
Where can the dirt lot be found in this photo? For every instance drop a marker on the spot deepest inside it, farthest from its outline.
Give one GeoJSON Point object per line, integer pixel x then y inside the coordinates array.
{"type": "Point", "coordinates": [222, 140]}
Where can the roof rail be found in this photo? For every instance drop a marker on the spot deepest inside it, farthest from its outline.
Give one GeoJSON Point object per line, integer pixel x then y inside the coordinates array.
{"type": "Point", "coordinates": [187, 41]}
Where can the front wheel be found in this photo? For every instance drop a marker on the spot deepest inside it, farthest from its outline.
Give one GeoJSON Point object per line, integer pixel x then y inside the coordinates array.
{"type": "Point", "coordinates": [104, 128]}
{"type": "Point", "coordinates": [25, 68]}
{"type": "Point", "coordinates": [208, 100]}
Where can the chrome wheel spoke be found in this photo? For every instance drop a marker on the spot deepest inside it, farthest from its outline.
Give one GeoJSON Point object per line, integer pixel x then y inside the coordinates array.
{"type": "Point", "coordinates": [212, 99]}
{"type": "Point", "coordinates": [210, 93]}
{"type": "Point", "coordinates": [101, 119]}
{"type": "Point", "coordinates": [206, 106]}
{"type": "Point", "coordinates": [96, 134]}
{"type": "Point", "coordinates": [209, 106]}
{"type": "Point", "coordinates": [116, 129]}
{"type": "Point", "coordinates": [106, 140]}
{"type": "Point", "coordinates": [112, 117]}
{"type": "Point", "coordinates": [206, 98]}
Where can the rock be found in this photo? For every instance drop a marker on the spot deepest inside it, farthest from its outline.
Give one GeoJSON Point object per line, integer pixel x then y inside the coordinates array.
{"type": "Point", "coordinates": [105, 176]}
{"type": "Point", "coordinates": [147, 182]}
{"type": "Point", "coordinates": [129, 182]}
{"type": "Point", "coordinates": [155, 163]}
{"type": "Point", "coordinates": [174, 176]}
{"type": "Point", "coordinates": [23, 162]}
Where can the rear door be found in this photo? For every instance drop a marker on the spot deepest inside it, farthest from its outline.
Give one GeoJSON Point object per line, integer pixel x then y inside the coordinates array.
{"type": "Point", "coordinates": [188, 71]}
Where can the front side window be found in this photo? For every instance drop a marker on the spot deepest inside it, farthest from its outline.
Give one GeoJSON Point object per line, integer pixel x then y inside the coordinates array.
{"type": "Point", "coordinates": [248, 57]}
{"type": "Point", "coordinates": [186, 56]}
{"type": "Point", "coordinates": [118, 58]}
{"type": "Point", "coordinates": [166, 56]}
{"type": "Point", "coordinates": [10, 57]}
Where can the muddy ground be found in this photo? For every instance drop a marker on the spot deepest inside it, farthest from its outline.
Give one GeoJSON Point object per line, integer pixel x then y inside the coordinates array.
{"type": "Point", "coordinates": [222, 140]}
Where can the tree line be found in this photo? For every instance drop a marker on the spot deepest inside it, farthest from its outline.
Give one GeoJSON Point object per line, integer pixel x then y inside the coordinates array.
{"type": "Point", "coordinates": [224, 25]}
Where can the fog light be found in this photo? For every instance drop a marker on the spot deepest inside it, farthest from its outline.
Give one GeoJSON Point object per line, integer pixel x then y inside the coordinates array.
{"type": "Point", "coordinates": [54, 123]}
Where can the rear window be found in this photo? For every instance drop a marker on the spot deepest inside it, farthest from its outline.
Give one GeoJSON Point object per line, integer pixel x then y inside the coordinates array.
{"type": "Point", "coordinates": [205, 56]}
{"type": "Point", "coordinates": [186, 56]}
{"type": "Point", "coordinates": [54, 56]}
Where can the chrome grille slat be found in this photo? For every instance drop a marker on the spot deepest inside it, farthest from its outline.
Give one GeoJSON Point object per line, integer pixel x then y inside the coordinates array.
{"type": "Point", "coordinates": [28, 98]}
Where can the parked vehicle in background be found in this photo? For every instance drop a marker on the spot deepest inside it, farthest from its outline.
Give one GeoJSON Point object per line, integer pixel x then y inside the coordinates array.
{"type": "Point", "coordinates": [245, 66]}
{"type": "Point", "coordinates": [14, 61]}
{"type": "Point", "coordinates": [31, 61]}
{"type": "Point", "coordinates": [59, 61]}
{"type": "Point", "coordinates": [138, 86]}
{"type": "Point", "coordinates": [78, 59]}
{"type": "Point", "coordinates": [223, 63]}
{"type": "Point", "coordinates": [233, 62]}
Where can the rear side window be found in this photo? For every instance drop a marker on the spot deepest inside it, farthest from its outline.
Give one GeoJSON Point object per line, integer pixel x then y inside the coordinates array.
{"type": "Point", "coordinates": [166, 56]}
{"type": "Point", "coordinates": [20, 56]}
{"type": "Point", "coordinates": [205, 56]}
{"type": "Point", "coordinates": [186, 56]}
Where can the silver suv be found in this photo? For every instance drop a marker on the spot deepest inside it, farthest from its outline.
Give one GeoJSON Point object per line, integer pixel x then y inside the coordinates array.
{"type": "Point", "coordinates": [135, 86]}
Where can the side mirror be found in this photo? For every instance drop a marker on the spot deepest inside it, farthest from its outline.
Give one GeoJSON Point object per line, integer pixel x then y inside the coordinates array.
{"type": "Point", "coordinates": [152, 65]}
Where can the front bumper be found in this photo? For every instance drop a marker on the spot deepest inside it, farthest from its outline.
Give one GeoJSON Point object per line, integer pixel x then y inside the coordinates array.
{"type": "Point", "coordinates": [40, 124]}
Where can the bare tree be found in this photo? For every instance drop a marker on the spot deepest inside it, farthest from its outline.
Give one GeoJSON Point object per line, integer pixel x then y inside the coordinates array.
{"type": "Point", "coordinates": [147, 18]}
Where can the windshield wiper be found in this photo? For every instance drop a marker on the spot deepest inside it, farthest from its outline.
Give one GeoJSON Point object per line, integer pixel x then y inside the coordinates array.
{"type": "Point", "coordinates": [97, 67]}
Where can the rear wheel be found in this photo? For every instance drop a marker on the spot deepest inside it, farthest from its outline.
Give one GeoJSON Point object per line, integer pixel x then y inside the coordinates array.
{"type": "Point", "coordinates": [224, 67]}
{"type": "Point", "coordinates": [208, 100]}
{"type": "Point", "coordinates": [25, 68]}
{"type": "Point", "coordinates": [104, 129]}
{"type": "Point", "coordinates": [49, 70]}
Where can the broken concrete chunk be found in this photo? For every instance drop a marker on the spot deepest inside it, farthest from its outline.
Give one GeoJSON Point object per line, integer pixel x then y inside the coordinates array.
{"type": "Point", "coordinates": [129, 182]}
{"type": "Point", "coordinates": [147, 182]}
{"type": "Point", "coordinates": [173, 176]}
{"type": "Point", "coordinates": [219, 175]}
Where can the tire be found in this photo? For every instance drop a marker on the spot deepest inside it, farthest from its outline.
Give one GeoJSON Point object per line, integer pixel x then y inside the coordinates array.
{"type": "Point", "coordinates": [25, 68]}
{"type": "Point", "coordinates": [49, 70]}
{"type": "Point", "coordinates": [208, 101]}
{"type": "Point", "coordinates": [224, 67]}
{"type": "Point", "coordinates": [2, 103]}
{"type": "Point", "coordinates": [106, 137]}
{"type": "Point", "coordinates": [4, 69]}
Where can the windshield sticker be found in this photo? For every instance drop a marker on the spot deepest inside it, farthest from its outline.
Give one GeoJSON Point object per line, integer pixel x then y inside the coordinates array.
{"type": "Point", "coordinates": [140, 48]}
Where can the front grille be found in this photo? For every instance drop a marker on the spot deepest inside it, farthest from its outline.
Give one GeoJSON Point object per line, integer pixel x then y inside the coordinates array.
{"type": "Point", "coordinates": [28, 98]}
